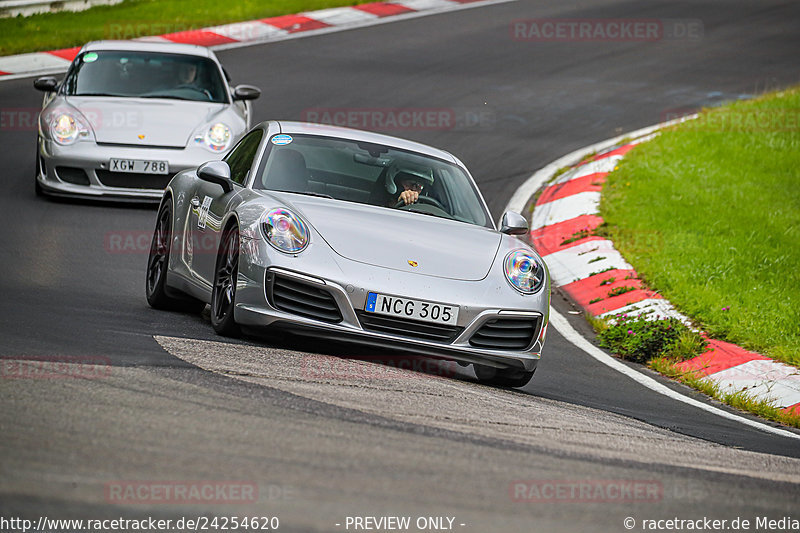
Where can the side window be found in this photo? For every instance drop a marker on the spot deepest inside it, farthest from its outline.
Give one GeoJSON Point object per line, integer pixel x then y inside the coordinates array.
{"type": "Point", "coordinates": [241, 158]}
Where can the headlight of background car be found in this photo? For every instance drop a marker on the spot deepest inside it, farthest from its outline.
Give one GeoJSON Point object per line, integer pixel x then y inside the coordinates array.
{"type": "Point", "coordinates": [216, 137]}
{"type": "Point", "coordinates": [285, 231]}
{"type": "Point", "coordinates": [524, 271]}
{"type": "Point", "coordinates": [66, 128]}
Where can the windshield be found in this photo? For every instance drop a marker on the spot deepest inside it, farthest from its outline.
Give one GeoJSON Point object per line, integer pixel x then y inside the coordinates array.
{"type": "Point", "coordinates": [371, 174]}
{"type": "Point", "coordinates": [146, 75]}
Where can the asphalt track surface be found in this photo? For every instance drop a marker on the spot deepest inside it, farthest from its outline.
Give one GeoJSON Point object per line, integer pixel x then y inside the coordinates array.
{"type": "Point", "coordinates": [178, 404]}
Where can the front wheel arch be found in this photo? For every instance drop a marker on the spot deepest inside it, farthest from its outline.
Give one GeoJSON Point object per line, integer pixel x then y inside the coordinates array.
{"type": "Point", "coordinates": [223, 288]}
{"type": "Point", "coordinates": [159, 295]}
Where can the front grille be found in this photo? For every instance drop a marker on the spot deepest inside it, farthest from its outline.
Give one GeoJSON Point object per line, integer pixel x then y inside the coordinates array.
{"type": "Point", "coordinates": [73, 175]}
{"type": "Point", "coordinates": [506, 333]}
{"type": "Point", "coordinates": [408, 328]}
{"type": "Point", "coordinates": [133, 180]}
{"type": "Point", "coordinates": [294, 296]}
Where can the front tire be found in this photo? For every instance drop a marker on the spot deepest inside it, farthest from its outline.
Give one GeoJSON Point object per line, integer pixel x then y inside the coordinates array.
{"type": "Point", "coordinates": [223, 293]}
{"type": "Point", "coordinates": [503, 377]}
{"type": "Point", "coordinates": [157, 264]}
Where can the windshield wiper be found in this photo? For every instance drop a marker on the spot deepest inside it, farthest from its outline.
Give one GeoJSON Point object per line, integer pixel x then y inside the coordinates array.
{"type": "Point", "coordinates": [98, 94]}
{"type": "Point", "coordinates": [168, 97]}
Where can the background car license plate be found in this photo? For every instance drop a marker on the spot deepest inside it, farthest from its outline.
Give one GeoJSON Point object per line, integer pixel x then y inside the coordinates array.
{"type": "Point", "coordinates": [140, 166]}
{"type": "Point", "coordinates": [412, 309]}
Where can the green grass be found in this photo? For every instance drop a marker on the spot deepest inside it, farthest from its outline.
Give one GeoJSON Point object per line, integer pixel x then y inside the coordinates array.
{"type": "Point", "coordinates": [719, 202]}
{"type": "Point", "coordinates": [637, 339]}
{"type": "Point", "coordinates": [137, 18]}
{"type": "Point", "coordinates": [620, 290]}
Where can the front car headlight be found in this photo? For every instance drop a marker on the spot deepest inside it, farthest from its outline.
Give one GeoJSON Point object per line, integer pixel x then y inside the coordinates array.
{"type": "Point", "coordinates": [285, 231]}
{"type": "Point", "coordinates": [524, 271]}
{"type": "Point", "coordinates": [216, 137]}
{"type": "Point", "coordinates": [66, 127]}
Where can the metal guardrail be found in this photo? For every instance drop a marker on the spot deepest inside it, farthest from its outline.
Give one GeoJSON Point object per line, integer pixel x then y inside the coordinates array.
{"type": "Point", "coordinates": [13, 8]}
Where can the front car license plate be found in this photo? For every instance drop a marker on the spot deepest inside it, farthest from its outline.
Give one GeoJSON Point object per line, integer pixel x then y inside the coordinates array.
{"type": "Point", "coordinates": [436, 313]}
{"type": "Point", "coordinates": [139, 166]}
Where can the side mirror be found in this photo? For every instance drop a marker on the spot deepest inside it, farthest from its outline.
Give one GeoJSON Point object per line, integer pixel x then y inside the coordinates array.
{"type": "Point", "coordinates": [47, 84]}
{"type": "Point", "coordinates": [513, 224]}
{"type": "Point", "coordinates": [246, 92]}
{"type": "Point", "coordinates": [216, 172]}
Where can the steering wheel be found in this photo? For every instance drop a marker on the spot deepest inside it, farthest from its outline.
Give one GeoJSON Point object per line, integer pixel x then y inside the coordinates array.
{"type": "Point", "coordinates": [204, 92]}
{"type": "Point", "coordinates": [424, 200]}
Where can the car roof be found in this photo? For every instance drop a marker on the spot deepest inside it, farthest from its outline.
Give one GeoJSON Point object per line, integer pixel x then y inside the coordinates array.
{"type": "Point", "coordinates": [145, 46]}
{"type": "Point", "coordinates": [325, 130]}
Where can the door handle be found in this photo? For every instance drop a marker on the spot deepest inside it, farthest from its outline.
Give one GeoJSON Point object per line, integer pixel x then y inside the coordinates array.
{"type": "Point", "coordinates": [196, 201]}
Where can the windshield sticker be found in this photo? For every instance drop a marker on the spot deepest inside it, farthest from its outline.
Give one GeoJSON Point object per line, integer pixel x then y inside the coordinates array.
{"type": "Point", "coordinates": [282, 139]}
{"type": "Point", "coordinates": [90, 57]}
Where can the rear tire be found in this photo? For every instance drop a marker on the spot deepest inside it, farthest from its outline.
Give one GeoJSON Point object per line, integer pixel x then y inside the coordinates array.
{"type": "Point", "coordinates": [223, 293]}
{"type": "Point", "coordinates": [157, 264]}
{"type": "Point", "coordinates": [503, 377]}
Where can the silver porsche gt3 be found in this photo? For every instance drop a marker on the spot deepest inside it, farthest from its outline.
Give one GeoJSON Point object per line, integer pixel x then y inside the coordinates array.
{"type": "Point", "coordinates": [343, 233]}
{"type": "Point", "coordinates": [130, 115]}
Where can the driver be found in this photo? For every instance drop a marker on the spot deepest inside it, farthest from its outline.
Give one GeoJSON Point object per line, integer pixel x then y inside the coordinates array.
{"type": "Point", "coordinates": [187, 74]}
{"type": "Point", "coordinates": [189, 77]}
{"type": "Point", "coordinates": [410, 182]}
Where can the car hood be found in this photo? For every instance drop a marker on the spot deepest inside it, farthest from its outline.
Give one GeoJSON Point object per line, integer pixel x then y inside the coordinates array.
{"type": "Point", "coordinates": [144, 121]}
{"type": "Point", "coordinates": [400, 240]}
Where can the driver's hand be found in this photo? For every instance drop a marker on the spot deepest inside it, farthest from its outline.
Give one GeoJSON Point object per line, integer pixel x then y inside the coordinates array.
{"type": "Point", "coordinates": [409, 197]}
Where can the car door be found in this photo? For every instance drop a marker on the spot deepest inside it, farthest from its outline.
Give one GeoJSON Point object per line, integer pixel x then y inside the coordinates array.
{"type": "Point", "coordinates": [210, 204]}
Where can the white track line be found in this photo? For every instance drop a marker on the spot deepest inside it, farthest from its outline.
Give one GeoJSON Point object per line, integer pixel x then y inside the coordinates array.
{"type": "Point", "coordinates": [568, 332]}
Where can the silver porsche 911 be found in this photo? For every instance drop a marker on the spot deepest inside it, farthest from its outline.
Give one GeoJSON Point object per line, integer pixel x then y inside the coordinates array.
{"type": "Point", "coordinates": [343, 233]}
{"type": "Point", "coordinates": [129, 115]}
